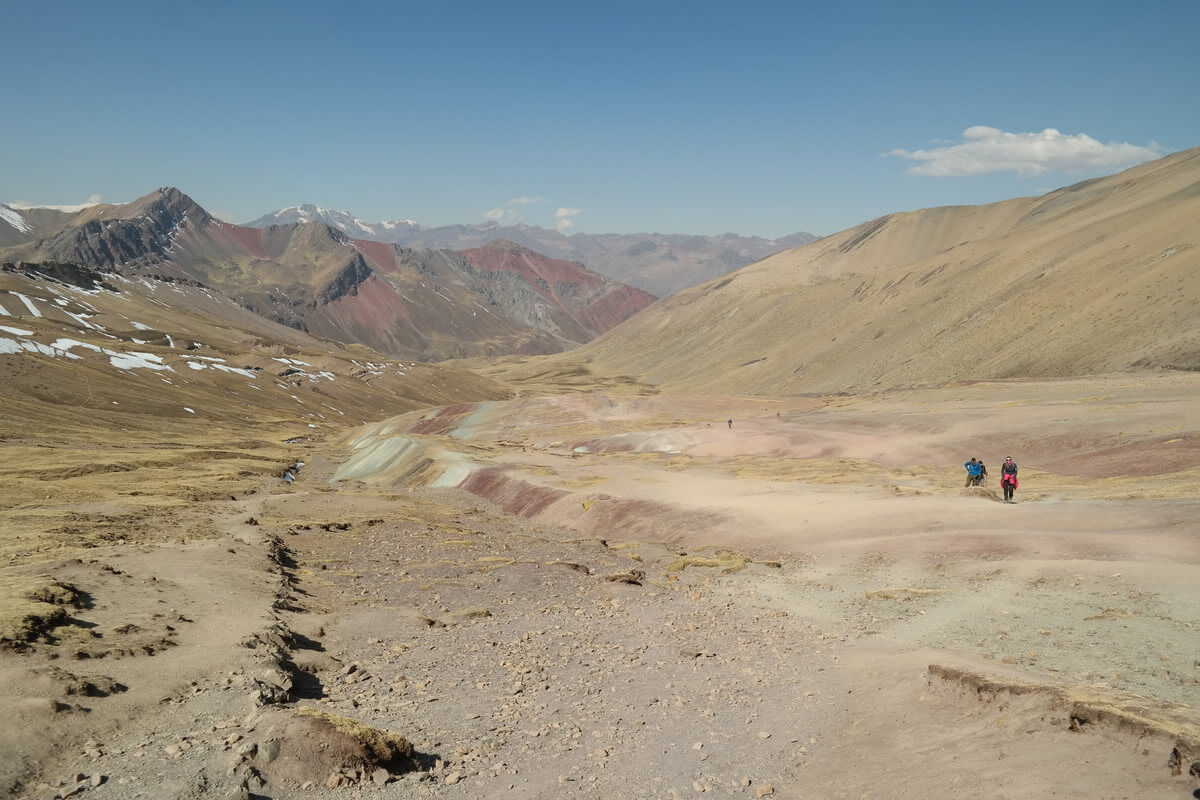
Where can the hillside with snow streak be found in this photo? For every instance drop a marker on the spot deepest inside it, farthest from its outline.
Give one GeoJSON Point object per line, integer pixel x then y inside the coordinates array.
{"type": "Point", "coordinates": [420, 305]}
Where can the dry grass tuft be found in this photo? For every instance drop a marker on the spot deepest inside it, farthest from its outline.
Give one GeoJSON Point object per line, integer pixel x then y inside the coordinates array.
{"type": "Point", "coordinates": [383, 746]}
{"type": "Point", "coordinates": [728, 563]}
{"type": "Point", "coordinates": [29, 607]}
{"type": "Point", "coordinates": [470, 612]}
{"type": "Point", "coordinates": [903, 593]}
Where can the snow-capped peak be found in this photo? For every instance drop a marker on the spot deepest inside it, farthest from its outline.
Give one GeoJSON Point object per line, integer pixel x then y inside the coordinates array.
{"type": "Point", "coordinates": [341, 220]}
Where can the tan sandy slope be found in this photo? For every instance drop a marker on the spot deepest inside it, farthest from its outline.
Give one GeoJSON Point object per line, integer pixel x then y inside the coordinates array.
{"type": "Point", "coordinates": [1096, 277]}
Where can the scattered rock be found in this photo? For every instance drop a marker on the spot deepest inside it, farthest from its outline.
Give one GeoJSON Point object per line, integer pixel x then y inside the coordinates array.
{"type": "Point", "coordinates": [633, 576]}
{"type": "Point", "coordinates": [572, 566]}
{"type": "Point", "coordinates": [470, 612]}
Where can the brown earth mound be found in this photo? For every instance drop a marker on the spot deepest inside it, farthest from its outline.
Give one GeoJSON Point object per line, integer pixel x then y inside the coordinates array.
{"type": "Point", "coordinates": [313, 746]}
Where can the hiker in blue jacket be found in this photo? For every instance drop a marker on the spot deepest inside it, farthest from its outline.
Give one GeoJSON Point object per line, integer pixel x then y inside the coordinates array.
{"type": "Point", "coordinates": [974, 472]}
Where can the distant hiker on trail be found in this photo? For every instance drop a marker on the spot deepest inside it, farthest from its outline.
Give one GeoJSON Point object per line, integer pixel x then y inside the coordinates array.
{"type": "Point", "coordinates": [982, 473]}
{"type": "Point", "coordinates": [730, 422]}
{"type": "Point", "coordinates": [974, 472]}
{"type": "Point", "coordinates": [1008, 479]}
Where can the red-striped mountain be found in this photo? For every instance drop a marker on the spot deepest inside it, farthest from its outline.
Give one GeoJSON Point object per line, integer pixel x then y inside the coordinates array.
{"type": "Point", "coordinates": [426, 305]}
{"type": "Point", "coordinates": [567, 297]}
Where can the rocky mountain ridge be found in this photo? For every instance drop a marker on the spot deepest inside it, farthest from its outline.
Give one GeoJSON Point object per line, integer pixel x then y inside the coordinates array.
{"type": "Point", "coordinates": [417, 304]}
{"type": "Point", "coordinates": [659, 263]}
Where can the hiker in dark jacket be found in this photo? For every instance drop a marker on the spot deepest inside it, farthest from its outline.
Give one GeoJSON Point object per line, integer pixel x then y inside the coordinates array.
{"type": "Point", "coordinates": [1008, 479]}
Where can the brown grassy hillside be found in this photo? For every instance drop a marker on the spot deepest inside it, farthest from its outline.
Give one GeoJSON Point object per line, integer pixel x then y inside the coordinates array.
{"type": "Point", "coordinates": [1097, 277]}
{"type": "Point", "coordinates": [123, 407]}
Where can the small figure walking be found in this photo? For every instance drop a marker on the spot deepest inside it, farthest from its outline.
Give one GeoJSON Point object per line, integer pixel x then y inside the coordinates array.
{"type": "Point", "coordinates": [730, 422]}
{"type": "Point", "coordinates": [974, 472]}
{"type": "Point", "coordinates": [1008, 479]}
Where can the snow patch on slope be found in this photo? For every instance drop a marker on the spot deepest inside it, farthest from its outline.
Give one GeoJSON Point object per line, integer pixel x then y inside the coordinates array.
{"type": "Point", "coordinates": [28, 304]}
{"type": "Point", "coordinates": [68, 209]}
{"type": "Point", "coordinates": [14, 218]}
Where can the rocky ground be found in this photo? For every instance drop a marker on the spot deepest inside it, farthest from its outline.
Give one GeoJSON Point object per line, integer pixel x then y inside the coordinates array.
{"type": "Point", "coordinates": [369, 639]}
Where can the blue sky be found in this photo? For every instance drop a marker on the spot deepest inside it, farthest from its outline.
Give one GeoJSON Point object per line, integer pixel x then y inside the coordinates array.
{"type": "Point", "coordinates": [759, 118]}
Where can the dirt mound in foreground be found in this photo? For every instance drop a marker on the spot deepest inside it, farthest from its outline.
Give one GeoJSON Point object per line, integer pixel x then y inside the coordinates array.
{"type": "Point", "coordinates": [312, 746]}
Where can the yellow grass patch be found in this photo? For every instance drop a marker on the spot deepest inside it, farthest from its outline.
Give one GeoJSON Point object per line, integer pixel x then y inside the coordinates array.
{"type": "Point", "coordinates": [582, 482]}
{"type": "Point", "coordinates": [30, 606]}
{"type": "Point", "coordinates": [903, 593]}
{"type": "Point", "coordinates": [728, 563]}
{"type": "Point", "coordinates": [383, 746]}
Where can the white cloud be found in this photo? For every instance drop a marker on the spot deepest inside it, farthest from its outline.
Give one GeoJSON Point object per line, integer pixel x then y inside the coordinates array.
{"type": "Point", "coordinates": [511, 211]}
{"type": "Point", "coordinates": [91, 201]}
{"type": "Point", "coordinates": [985, 150]}
{"type": "Point", "coordinates": [564, 218]}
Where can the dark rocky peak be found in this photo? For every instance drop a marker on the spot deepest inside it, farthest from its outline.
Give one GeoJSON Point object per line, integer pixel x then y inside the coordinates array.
{"type": "Point", "coordinates": [178, 206]}
{"type": "Point", "coordinates": [134, 237]}
{"type": "Point", "coordinates": [317, 231]}
{"type": "Point", "coordinates": [62, 273]}
{"type": "Point", "coordinates": [309, 231]}
{"type": "Point", "coordinates": [167, 206]}
{"type": "Point", "coordinates": [346, 281]}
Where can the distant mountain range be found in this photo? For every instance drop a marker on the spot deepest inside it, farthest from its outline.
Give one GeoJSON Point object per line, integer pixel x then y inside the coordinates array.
{"type": "Point", "coordinates": [415, 304]}
{"type": "Point", "coordinates": [1092, 278]}
{"type": "Point", "coordinates": [659, 263]}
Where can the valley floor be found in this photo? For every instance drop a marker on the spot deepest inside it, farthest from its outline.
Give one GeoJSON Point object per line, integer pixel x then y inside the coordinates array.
{"type": "Point", "coordinates": [626, 596]}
